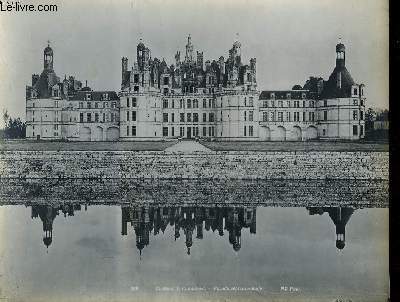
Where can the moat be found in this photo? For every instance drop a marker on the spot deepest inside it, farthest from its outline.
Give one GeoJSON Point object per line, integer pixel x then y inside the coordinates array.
{"type": "Point", "coordinates": [121, 240]}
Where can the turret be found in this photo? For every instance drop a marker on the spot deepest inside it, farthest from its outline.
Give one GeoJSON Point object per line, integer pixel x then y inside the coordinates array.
{"type": "Point", "coordinates": [48, 57]}
{"type": "Point", "coordinates": [340, 55]}
{"type": "Point", "coordinates": [124, 66]}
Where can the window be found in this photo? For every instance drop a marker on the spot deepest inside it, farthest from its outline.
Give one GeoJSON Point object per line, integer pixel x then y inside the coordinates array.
{"type": "Point", "coordinates": [204, 103]}
{"type": "Point", "coordinates": [133, 116]}
{"type": "Point", "coordinates": [172, 131]}
{"type": "Point", "coordinates": [361, 102]}
{"type": "Point", "coordinates": [133, 130]}
{"type": "Point", "coordinates": [303, 95]}
{"type": "Point", "coordinates": [182, 118]}
{"type": "Point", "coordinates": [288, 116]}
{"type": "Point", "coordinates": [189, 117]}
{"type": "Point", "coordinates": [88, 96]}
{"type": "Point", "coordinates": [251, 102]}
{"type": "Point", "coordinates": [166, 80]}
{"type": "Point", "coordinates": [136, 78]}
{"type": "Point", "coordinates": [165, 103]}
{"type": "Point", "coordinates": [204, 117]}
{"type": "Point", "coordinates": [272, 95]}
{"type": "Point", "coordinates": [250, 130]}
{"type": "Point", "coordinates": [195, 104]}
{"type": "Point", "coordinates": [272, 103]}
{"type": "Point", "coordinates": [273, 119]}
{"type": "Point", "coordinates": [96, 117]}
{"type": "Point", "coordinates": [311, 116]}
{"type": "Point", "coordinates": [88, 117]}
{"type": "Point", "coordinates": [210, 103]}
{"type": "Point", "coordinates": [361, 115]}
{"type": "Point", "coordinates": [280, 116]}
{"type": "Point", "coordinates": [112, 117]}
{"type": "Point", "coordinates": [361, 130]}
{"type": "Point", "coordinates": [182, 131]}
{"type": "Point", "coordinates": [304, 103]}
{"type": "Point", "coordinates": [127, 130]}
{"type": "Point", "coordinates": [323, 132]}
{"type": "Point", "coordinates": [304, 116]}
{"type": "Point", "coordinates": [89, 105]}
{"type": "Point", "coordinates": [265, 116]}
{"type": "Point", "coordinates": [127, 115]}
{"type": "Point", "coordinates": [244, 130]}
{"type": "Point", "coordinates": [355, 115]}
{"type": "Point", "coordinates": [280, 104]}
{"type": "Point", "coordinates": [204, 131]}
{"type": "Point", "coordinates": [325, 103]}
{"type": "Point", "coordinates": [189, 104]}
{"type": "Point", "coordinates": [325, 115]}
{"type": "Point", "coordinates": [251, 116]}
{"type": "Point", "coordinates": [288, 95]}
{"type": "Point", "coordinates": [355, 102]}
{"type": "Point", "coordinates": [195, 117]}
{"type": "Point", "coordinates": [245, 116]}
{"type": "Point", "coordinates": [355, 130]}
{"type": "Point", "coordinates": [296, 116]}
{"type": "Point", "coordinates": [265, 104]}
{"type": "Point", "coordinates": [181, 104]}
{"type": "Point", "coordinates": [96, 105]}
{"type": "Point", "coordinates": [173, 117]}
{"type": "Point", "coordinates": [211, 117]}
{"type": "Point", "coordinates": [355, 91]}
{"type": "Point", "coordinates": [113, 105]}
{"type": "Point", "coordinates": [165, 117]}
{"type": "Point", "coordinates": [105, 96]}
{"type": "Point", "coordinates": [134, 102]}
{"type": "Point", "coordinates": [104, 117]}
{"type": "Point", "coordinates": [127, 102]}
{"type": "Point", "coordinates": [311, 104]}
{"type": "Point", "coordinates": [165, 131]}
{"type": "Point", "coordinates": [296, 104]}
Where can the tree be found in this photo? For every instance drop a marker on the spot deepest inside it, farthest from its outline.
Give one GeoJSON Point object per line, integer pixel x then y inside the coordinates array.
{"type": "Point", "coordinates": [13, 127]}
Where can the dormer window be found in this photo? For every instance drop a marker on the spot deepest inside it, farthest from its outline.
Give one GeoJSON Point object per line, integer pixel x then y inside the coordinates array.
{"type": "Point", "coordinates": [272, 95]}
{"type": "Point", "coordinates": [105, 96]}
{"type": "Point", "coordinates": [288, 95]}
{"type": "Point", "coordinates": [355, 91]}
{"type": "Point", "coordinates": [88, 96]}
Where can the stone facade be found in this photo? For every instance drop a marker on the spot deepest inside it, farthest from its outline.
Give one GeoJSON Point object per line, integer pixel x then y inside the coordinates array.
{"type": "Point", "coordinates": [215, 100]}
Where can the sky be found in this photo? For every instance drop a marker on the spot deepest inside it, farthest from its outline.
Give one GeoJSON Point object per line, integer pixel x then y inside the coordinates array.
{"type": "Point", "coordinates": [291, 40]}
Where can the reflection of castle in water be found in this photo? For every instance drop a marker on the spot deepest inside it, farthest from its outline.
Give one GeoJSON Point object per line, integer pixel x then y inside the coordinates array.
{"type": "Point", "coordinates": [190, 219]}
{"type": "Point", "coordinates": [48, 213]}
{"type": "Point", "coordinates": [340, 217]}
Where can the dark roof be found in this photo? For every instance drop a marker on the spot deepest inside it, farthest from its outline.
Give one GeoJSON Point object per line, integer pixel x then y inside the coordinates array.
{"type": "Point", "coordinates": [282, 94]}
{"type": "Point", "coordinates": [47, 79]}
{"type": "Point", "coordinates": [331, 89]}
{"type": "Point", "coordinates": [96, 95]}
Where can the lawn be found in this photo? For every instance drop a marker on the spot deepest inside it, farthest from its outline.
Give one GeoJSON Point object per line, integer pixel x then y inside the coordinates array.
{"type": "Point", "coordinates": [83, 146]}
{"type": "Point", "coordinates": [297, 146]}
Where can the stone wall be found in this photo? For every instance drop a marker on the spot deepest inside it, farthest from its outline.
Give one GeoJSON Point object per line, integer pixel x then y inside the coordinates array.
{"type": "Point", "coordinates": [214, 165]}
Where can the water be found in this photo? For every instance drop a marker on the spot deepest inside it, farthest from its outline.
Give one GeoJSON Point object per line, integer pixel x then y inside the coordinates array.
{"type": "Point", "coordinates": [73, 250]}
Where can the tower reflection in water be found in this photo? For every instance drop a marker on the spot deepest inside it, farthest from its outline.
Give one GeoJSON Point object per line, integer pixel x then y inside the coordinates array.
{"type": "Point", "coordinates": [188, 221]}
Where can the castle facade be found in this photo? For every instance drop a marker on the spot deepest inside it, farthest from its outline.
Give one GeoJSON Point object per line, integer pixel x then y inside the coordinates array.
{"type": "Point", "coordinates": [216, 100]}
